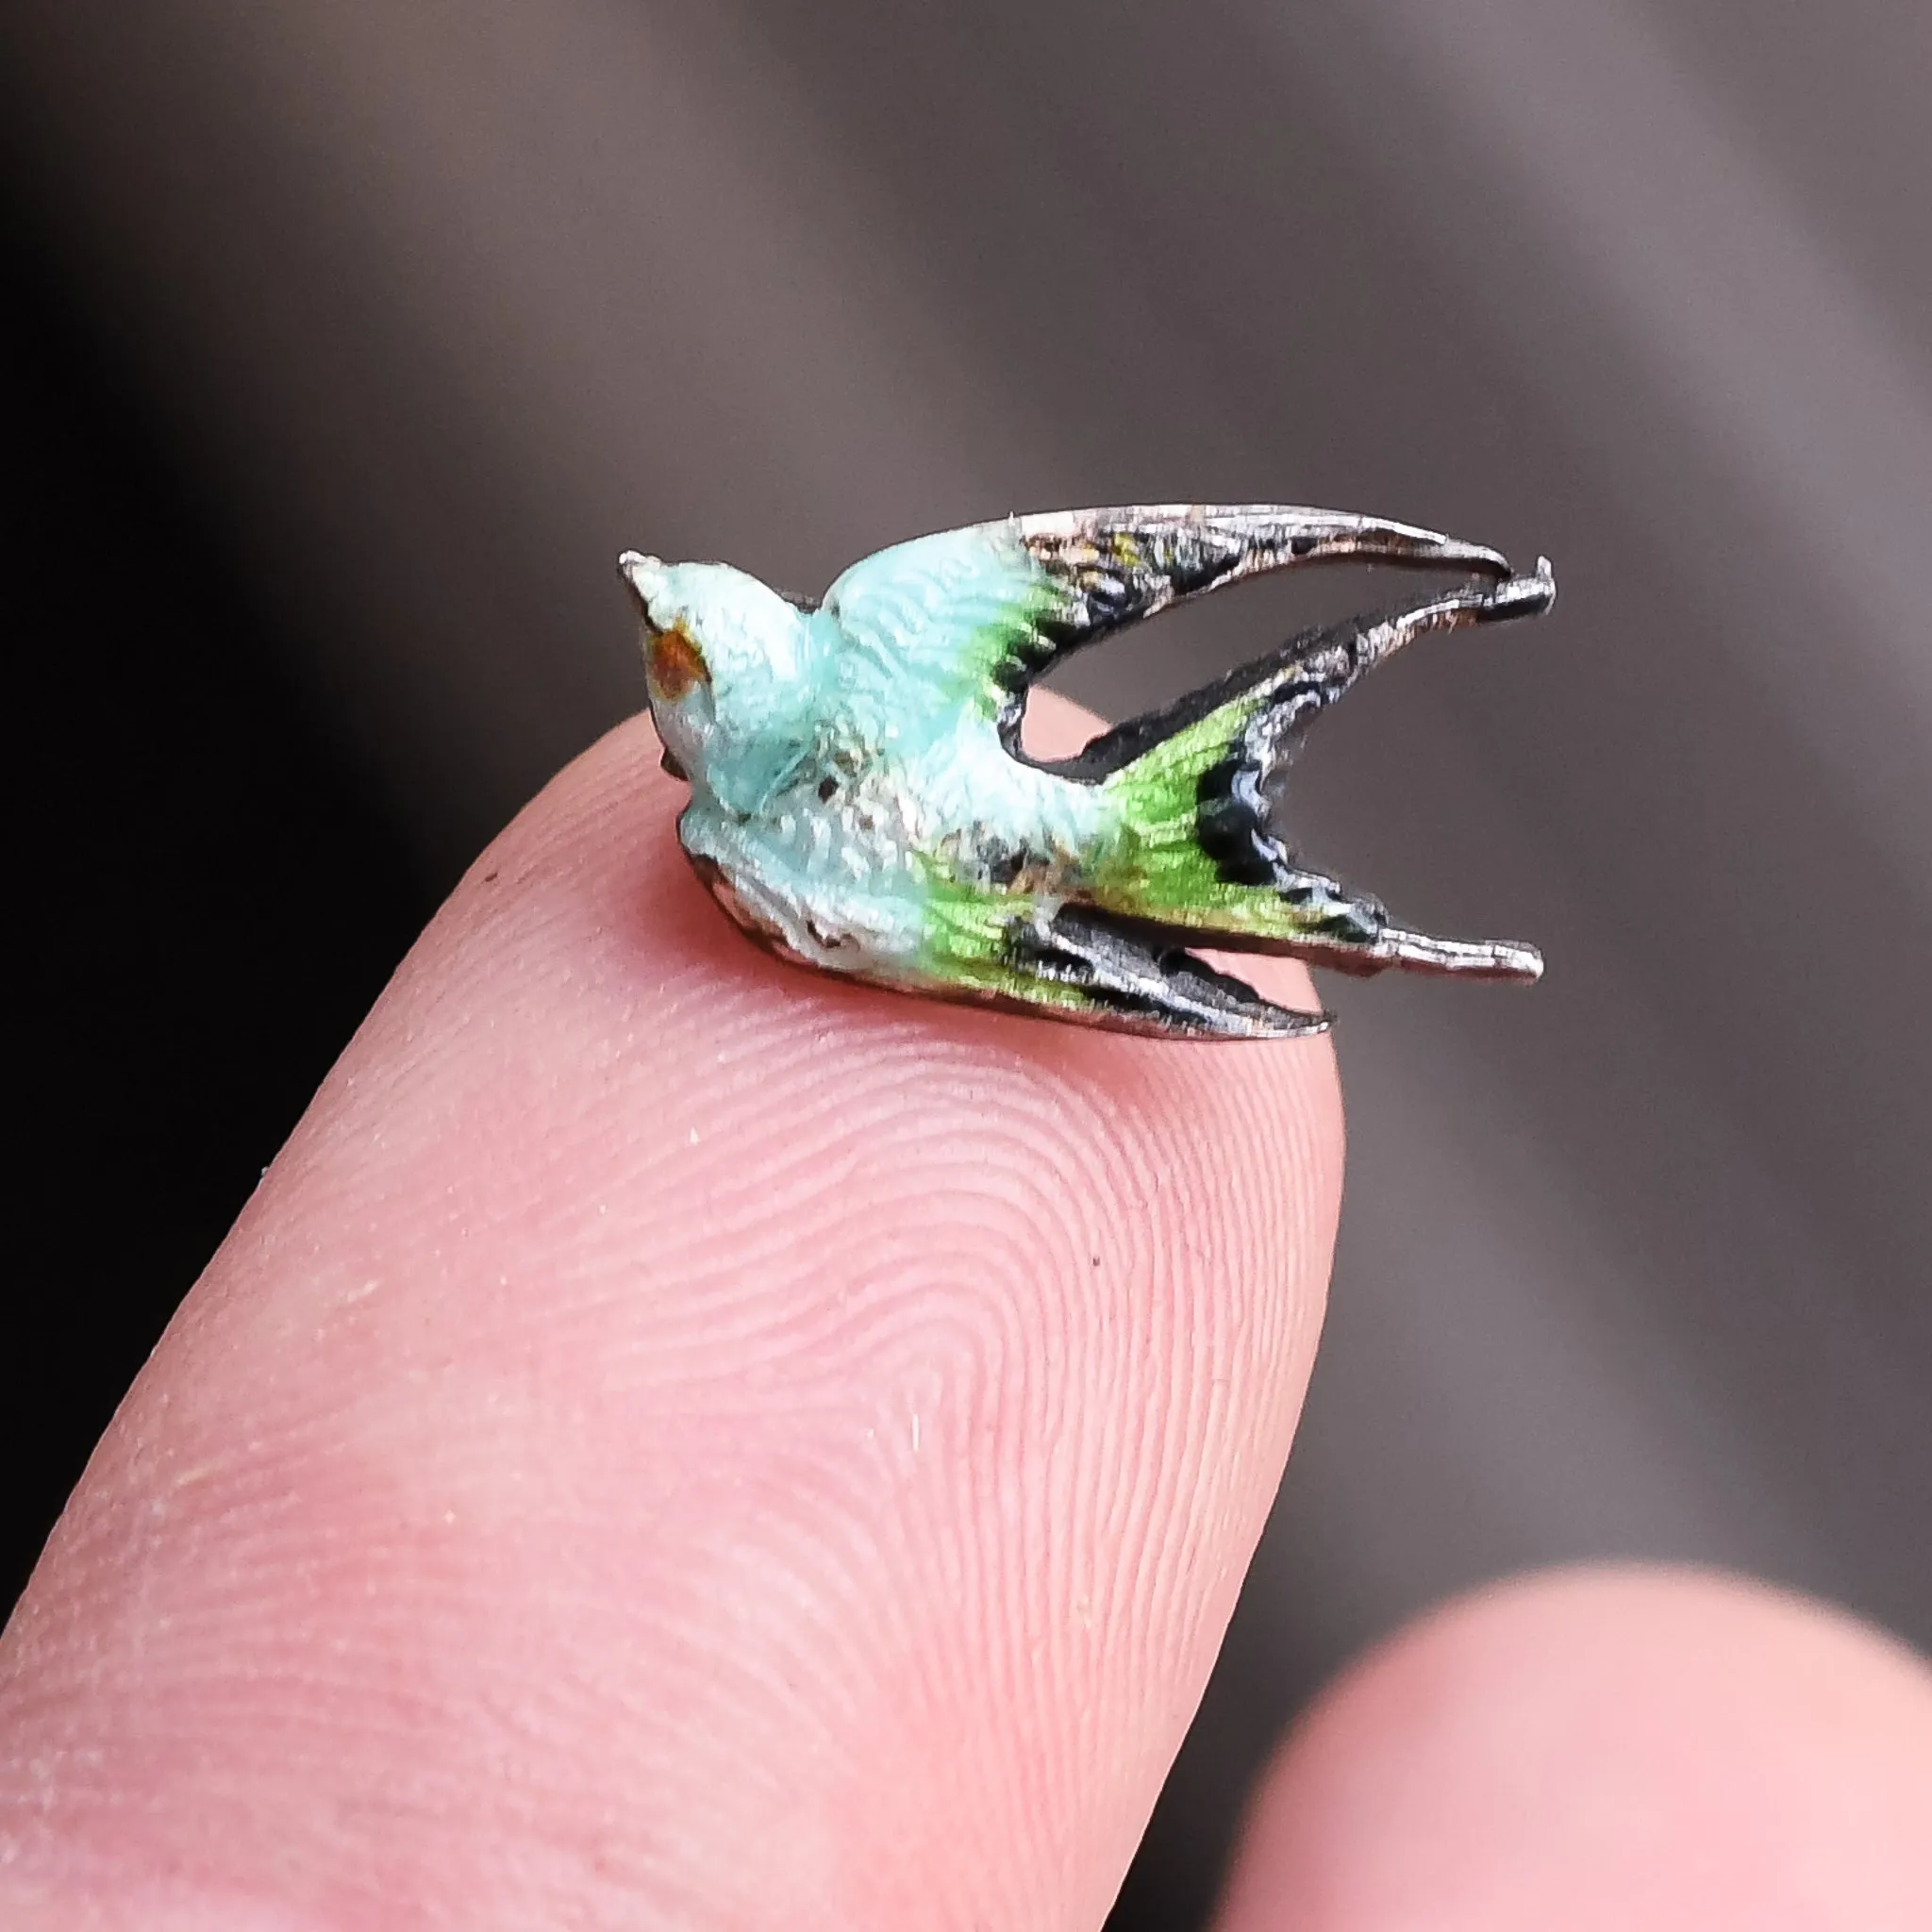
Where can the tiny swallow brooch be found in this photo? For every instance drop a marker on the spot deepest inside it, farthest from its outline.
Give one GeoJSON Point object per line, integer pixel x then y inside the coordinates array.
{"type": "Point", "coordinates": [860, 801]}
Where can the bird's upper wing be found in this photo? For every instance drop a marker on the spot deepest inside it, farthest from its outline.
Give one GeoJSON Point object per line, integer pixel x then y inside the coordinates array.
{"type": "Point", "coordinates": [963, 622]}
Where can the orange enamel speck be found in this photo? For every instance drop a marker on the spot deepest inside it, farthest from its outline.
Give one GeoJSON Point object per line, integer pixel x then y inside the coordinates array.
{"type": "Point", "coordinates": [673, 663]}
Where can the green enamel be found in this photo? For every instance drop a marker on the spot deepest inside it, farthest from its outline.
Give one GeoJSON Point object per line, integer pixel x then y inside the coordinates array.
{"type": "Point", "coordinates": [964, 944]}
{"type": "Point", "coordinates": [1155, 867]}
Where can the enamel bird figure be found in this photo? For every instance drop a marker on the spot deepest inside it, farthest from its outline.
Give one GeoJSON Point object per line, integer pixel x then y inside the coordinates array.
{"type": "Point", "coordinates": [860, 800]}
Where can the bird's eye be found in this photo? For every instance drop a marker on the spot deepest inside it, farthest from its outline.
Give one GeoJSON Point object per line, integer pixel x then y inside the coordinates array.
{"type": "Point", "coordinates": [673, 664]}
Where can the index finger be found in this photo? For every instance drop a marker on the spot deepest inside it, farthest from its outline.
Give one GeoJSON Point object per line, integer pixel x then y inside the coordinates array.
{"type": "Point", "coordinates": [677, 1441]}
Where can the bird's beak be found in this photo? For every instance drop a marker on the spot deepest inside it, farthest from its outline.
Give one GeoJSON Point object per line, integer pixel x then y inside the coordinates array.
{"type": "Point", "coordinates": [645, 576]}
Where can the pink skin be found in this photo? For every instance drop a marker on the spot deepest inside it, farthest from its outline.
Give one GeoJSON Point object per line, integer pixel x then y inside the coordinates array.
{"type": "Point", "coordinates": [674, 1442]}
{"type": "Point", "coordinates": [1602, 1751]}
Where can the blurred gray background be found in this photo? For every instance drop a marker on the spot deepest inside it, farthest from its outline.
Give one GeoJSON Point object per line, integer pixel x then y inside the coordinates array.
{"type": "Point", "coordinates": [444, 304]}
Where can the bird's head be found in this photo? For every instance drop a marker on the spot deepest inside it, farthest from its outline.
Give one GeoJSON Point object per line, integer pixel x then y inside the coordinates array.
{"type": "Point", "coordinates": [725, 658]}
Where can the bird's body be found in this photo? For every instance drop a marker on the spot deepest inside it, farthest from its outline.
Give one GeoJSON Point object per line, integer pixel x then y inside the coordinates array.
{"type": "Point", "coordinates": [861, 803]}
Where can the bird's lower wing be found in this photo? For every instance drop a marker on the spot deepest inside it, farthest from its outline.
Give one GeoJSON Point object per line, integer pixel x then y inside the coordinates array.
{"type": "Point", "coordinates": [1067, 963]}
{"type": "Point", "coordinates": [1079, 963]}
{"type": "Point", "coordinates": [1083, 965]}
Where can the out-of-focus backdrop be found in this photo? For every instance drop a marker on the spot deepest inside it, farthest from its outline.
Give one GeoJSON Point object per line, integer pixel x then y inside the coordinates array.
{"type": "Point", "coordinates": [353, 340]}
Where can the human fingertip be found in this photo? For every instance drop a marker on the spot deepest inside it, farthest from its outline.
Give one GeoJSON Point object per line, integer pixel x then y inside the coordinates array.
{"type": "Point", "coordinates": [1605, 1748]}
{"type": "Point", "coordinates": [679, 1440]}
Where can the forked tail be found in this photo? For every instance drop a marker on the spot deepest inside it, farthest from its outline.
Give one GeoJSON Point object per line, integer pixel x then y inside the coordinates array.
{"type": "Point", "coordinates": [1197, 858]}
